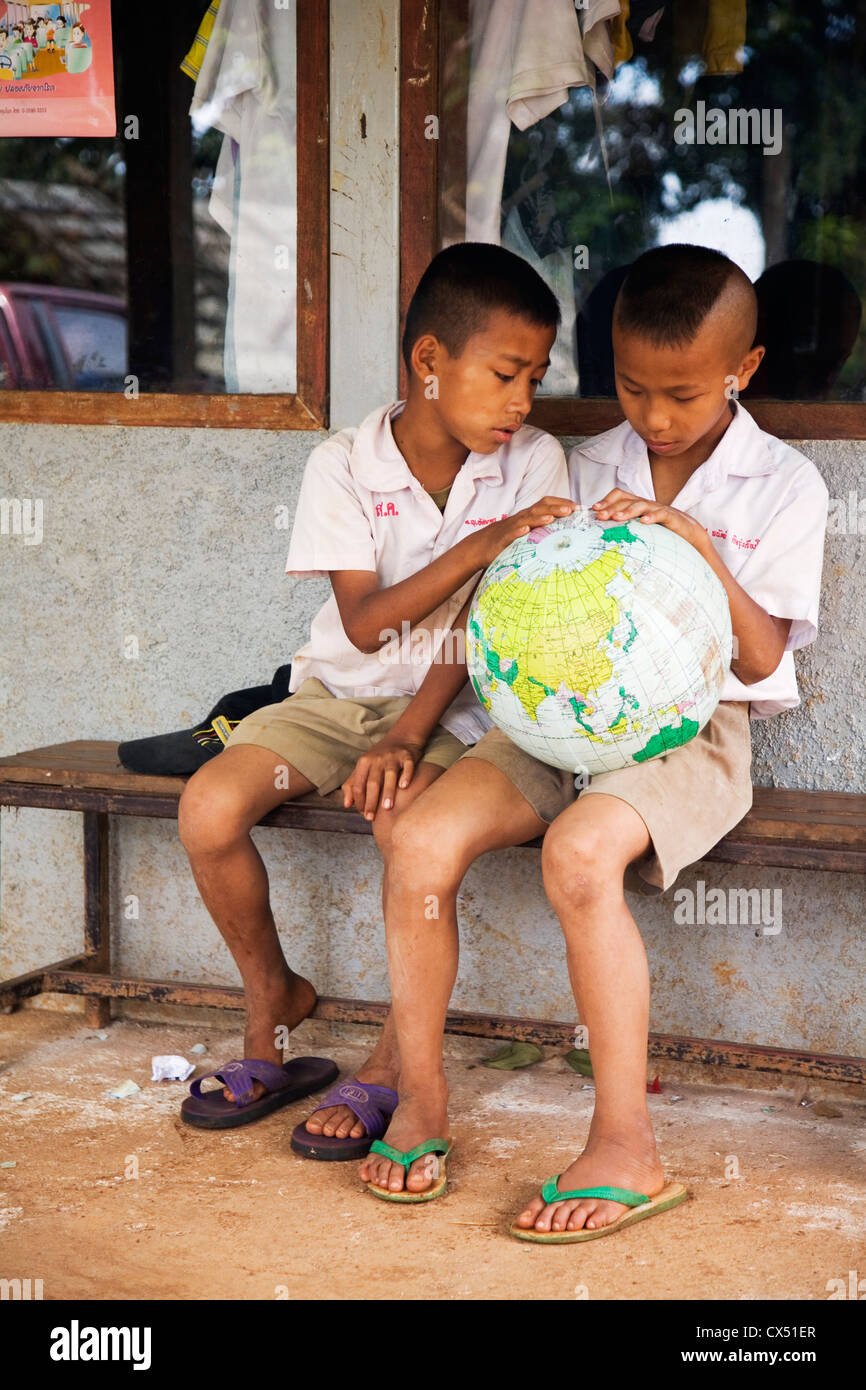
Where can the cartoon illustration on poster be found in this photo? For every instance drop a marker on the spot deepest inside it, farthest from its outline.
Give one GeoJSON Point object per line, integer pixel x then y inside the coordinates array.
{"type": "Point", "coordinates": [56, 69]}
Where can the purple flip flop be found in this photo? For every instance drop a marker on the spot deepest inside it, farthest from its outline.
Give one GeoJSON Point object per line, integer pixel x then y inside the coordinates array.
{"type": "Point", "coordinates": [374, 1106]}
{"type": "Point", "coordinates": [292, 1081]}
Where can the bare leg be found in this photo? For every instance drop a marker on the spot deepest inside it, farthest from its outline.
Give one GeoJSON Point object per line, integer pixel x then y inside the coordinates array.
{"type": "Point", "coordinates": [382, 1067]}
{"type": "Point", "coordinates": [474, 808]}
{"type": "Point", "coordinates": [584, 858]}
{"type": "Point", "coordinates": [220, 805]}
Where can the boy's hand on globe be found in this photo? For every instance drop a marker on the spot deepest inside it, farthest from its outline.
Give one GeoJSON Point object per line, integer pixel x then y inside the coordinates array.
{"type": "Point", "coordinates": [377, 774]}
{"type": "Point", "coordinates": [495, 537]}
{"type": "Point", "coordinates": [617, 505]}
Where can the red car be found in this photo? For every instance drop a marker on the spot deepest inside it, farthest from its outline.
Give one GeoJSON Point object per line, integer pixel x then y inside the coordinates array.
{"type": "Point", "coordinates": [58, 339]}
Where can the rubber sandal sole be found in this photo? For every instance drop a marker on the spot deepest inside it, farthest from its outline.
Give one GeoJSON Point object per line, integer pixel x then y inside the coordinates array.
{"type": "Point", "coordinates": [234, 1117]}
{"type": "Point", "coordinates": [338, 1151]}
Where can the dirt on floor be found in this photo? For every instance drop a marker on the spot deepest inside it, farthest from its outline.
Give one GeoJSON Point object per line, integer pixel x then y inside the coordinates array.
{"type": "Point", "coordinates": [106, 1198]}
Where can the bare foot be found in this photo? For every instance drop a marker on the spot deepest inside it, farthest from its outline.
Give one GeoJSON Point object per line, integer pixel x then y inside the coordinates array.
{"type": "Point", "coordinates": [380, 1069]}
{"type": "Point", "coordinates": [284, 1007]}
{"type": "Point", "coordinates": [416, 1119]}
{"type": "Point", "coordinates": [628, 1159]}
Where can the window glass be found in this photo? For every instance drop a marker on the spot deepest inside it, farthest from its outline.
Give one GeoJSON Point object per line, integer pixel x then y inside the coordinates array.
{"type": "Point", "coordinates": [95, 346]}
{"type": "Point", "coordinates": [186, 220]}
{"type": "Point", "coordinates": [733, 125]}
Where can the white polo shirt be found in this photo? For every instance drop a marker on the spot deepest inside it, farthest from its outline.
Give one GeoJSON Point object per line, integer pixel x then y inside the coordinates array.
{"type": "Point", "coordinates": [360, 508]}
{"type": "Point", "coordinates": [764, 505]}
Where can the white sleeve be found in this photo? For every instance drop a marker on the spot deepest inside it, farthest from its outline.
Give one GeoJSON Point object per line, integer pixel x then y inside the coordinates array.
{"type": "Point", "coordinates": [546, 473]}
{"type": "Point", "coordinates": [783, 574]}
{"type": "Point", "coordinates": [331, 530]}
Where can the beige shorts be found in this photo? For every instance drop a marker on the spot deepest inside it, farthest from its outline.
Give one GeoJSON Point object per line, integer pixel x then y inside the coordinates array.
{"type": "Point", "coordinates": [688, 799]}
{"type": "Point", "coordinates": [322, 735]}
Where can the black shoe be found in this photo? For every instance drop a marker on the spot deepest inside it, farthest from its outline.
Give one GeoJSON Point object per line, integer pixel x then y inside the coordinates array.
{"type": "Point", "coordinates": [182, 753]}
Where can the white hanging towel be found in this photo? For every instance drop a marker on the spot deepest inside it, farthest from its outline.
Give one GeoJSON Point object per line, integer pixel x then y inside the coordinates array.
{"type": "Point", "coordinates": [246, 88]}
{"type": "Point", "coordinates": [595, 28]}
{"type": "Point", "coordinates": [525, 54]}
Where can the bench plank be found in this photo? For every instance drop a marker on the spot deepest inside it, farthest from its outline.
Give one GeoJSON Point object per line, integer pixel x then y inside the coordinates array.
{"type": "Point", "coordinates": [784, 828]}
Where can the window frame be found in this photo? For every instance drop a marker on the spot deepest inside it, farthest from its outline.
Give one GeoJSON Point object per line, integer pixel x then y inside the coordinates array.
{"type": "Point", "coordinates": [307, 407]}
{"type": "Point", "coordinates": [426, 29]}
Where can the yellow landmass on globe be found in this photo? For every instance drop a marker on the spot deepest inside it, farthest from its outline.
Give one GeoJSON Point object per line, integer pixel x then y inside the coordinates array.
{"type": "Point", "coordinates": [555, 628]}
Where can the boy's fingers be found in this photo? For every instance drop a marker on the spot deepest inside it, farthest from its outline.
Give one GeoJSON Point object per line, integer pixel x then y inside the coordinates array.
{"type": "Point", "coordinates": [358, 782]}
{"type": "Point", "coordinates": [389, 788]}
{"type": "Point", "coordinates": [408, 771]}
{"type": "Point", "coordinates": [371, 792]}
{"type": "Point", "coordinates": [349, 788]}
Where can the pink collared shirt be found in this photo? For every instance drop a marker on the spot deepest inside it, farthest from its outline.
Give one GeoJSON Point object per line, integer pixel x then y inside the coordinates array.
{"type": "Point", "coordinates": [360, 508]}
{"type": "Point", "coordinates": [764, 506]}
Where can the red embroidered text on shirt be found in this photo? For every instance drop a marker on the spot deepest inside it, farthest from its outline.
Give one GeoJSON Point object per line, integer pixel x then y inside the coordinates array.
{"type": "Point", "coordinates": [740, 541]}
{"type": "Point", "coordinates": [386, 510]}
{"type": "Point", "coordinates": [484, 520]}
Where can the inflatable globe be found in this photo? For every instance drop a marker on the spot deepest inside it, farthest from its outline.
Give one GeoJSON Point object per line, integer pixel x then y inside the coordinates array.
{"type": "Point", "coordinates": [595, 645]}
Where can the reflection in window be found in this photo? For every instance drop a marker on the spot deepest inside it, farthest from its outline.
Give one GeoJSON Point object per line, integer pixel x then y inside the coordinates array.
{"type": "Point", "coordinates": [63, 218]}
{"type": "Point", "coordinates": [733, 125]}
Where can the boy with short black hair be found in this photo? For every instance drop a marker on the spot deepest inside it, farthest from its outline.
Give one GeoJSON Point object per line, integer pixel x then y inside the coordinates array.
{"type": "Point", "coordinates": [402, 513]}
{"type": "Point", "coordinates": [690, 458]}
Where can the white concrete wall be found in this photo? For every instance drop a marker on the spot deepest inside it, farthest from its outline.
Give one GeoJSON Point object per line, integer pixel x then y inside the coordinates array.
{"type": "Point", "coordinates": [169, 536]}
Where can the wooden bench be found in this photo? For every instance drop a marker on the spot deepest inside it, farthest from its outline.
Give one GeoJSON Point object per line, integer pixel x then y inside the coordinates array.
{"type": "Point", "coordinates": [788, 829]}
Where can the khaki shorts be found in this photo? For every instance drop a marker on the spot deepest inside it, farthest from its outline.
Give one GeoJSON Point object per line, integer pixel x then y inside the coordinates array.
{"type": "Point", "coordinates": [688, 799]}
{"type": "Point", "coordinates": [322, 735]}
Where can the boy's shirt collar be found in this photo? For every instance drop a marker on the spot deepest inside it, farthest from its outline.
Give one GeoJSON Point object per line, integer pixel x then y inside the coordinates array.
{"type": "Point", "coordinates": [742, 451]}
{"type": "Point", "coordinates": [376, 462]}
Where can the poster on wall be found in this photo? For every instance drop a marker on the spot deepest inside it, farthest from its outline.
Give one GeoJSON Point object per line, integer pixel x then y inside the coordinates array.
{"type": "Point", "coordinates": [56, 69]}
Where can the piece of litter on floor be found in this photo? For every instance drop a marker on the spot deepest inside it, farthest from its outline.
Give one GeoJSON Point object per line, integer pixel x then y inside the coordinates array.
{"type": "Point", "coordinates": [22, 1095]}
{"type": "Point", "coordinates": [654, 1087]}
{"type": "Point", "coordinates": [673, 1099]}
{"type": "Point", "coordinates": [8, 1163]}
{"type": "Point", "coordinates": [170, 1068]}
{"type": "Point", "coordinates": [827, 1111]}
{"type": "Point", "coordinates": [124, 1090]}
{"type": "Point", "coordinates": [768, 1109]}
{"type": "Point", "coordinates": [513, 1056]}
{"type": "Point", "coordinates": [198, 1048]}
{"type": "Point", "coordinates": [578, 1060]}
{"type": "Point", "coordinates": [584, 1088]}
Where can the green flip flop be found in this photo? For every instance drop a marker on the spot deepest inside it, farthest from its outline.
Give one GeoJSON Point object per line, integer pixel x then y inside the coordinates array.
{"type": "Point", "coordinates": [670, 1196]}
{"type": "Point", "coordinates": [431, 1146]}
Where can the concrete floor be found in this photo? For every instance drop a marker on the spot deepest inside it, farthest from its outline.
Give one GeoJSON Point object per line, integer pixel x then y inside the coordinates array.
{"type": "Point", "coordinates": [238, 1215]}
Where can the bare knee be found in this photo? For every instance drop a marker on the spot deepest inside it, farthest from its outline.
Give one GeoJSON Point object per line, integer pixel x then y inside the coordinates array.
{"type": "Point", "coordinates": [384, 824]}
{"type": "Point", "coordinates": [579, 865]}
{"type": "Point", "coordinates": [212, 815]}
{"type": "Point", "coordinates": [423, 854]}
